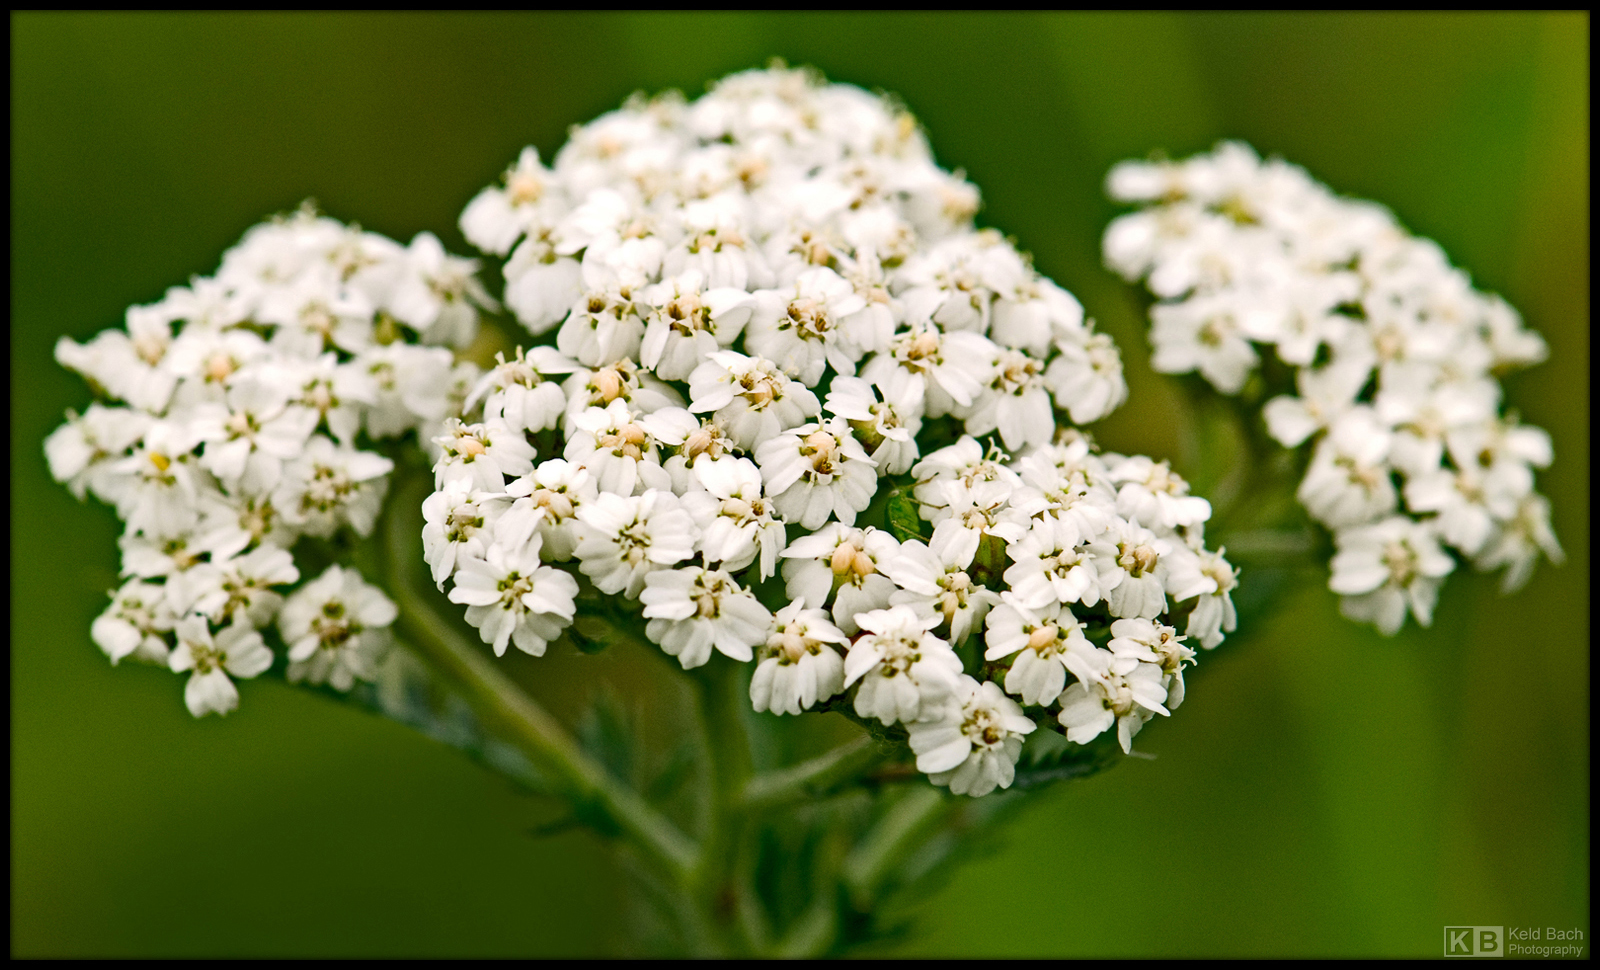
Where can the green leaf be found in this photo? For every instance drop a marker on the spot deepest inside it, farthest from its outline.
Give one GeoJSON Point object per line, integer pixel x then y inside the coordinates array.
{"type": "Point", "coordinates": [1048, 757]}
{"type": "Point", "coordinates": [905, 518]}
{"type": "Point", "coordinates": [606, 731]}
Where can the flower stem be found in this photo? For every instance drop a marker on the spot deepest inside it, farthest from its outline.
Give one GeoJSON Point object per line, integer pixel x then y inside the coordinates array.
{"type": "Point", "coordinates": [499, 700]}
{"type": "Point", "coordinates": [773, 788]}
{"type": "Point", "coordinates": [723, 894]}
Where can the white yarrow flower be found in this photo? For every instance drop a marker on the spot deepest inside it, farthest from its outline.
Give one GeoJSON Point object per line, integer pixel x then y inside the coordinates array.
{"type": "Point", "coordinates": [237, 650]}
{"type": "Point", "coordinates": [906, 673]}
{"type": "Point", "coordinates": [974, 746]}
{"type": "Point", "coordinates": [800, 664]}
{"type": "Point", "coordinates": [691, 610]}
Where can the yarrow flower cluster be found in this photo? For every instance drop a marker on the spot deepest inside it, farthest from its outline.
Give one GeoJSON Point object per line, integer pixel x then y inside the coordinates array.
{"type": "Point", "coordinates": [1395, 360]}
{"type": "Point", "coordinates": [778, 387]}
{"type": "Point", "coordinates": [232, 418]}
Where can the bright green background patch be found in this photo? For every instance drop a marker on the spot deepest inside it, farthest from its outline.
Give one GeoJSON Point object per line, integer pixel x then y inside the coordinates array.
{"type": "Point", "coordinates": [1323, 791]}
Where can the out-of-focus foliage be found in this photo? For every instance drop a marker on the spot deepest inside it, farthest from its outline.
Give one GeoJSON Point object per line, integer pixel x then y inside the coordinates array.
{"type": "Point", "coordinates": [1331, 791]}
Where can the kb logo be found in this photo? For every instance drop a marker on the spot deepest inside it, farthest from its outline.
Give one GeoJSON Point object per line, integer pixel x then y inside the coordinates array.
{"type": "Point", "coordinates": [1474, 941]}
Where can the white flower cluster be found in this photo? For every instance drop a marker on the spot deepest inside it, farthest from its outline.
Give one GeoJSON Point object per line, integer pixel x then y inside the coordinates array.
{"type": "Point", "coordinates": [1395, 358]}
{"type": "Point", "coordinates": [760, 306]}
{"type": "Point", "coordinates": [235, 407]}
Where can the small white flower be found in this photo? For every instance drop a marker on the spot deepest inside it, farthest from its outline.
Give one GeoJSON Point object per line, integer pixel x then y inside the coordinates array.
{"type": "Point", "coordinates": [336, 626]}
{"type": "Point", "coordinates": [968, 514]}
{"type": "Point", "coordinates": [1041, 640]}
{"type": "Point", "coordinates": [1384, 568]}
{"type": "Point", "coordinates": [887, 429]}
{"type": "Point", "coordinates": [948, 370]}
{"type": "Point", "coordinates": [82, 451]}
{"type": "Point", "coordinates": [690, 322]}
{"type": "Point", "coordinates": [127, 364]}
{"type": "Point", "coordinates": [237, 650]}
{"type": "Point", "coordinates": [237, 590]}
{"type": "Point", "coordinates": [1467, 505]}
{"type": "Point", "coordinates": [520, 392]}
{"type": "Point", "coordinates": [337, 392]}
{"type": "Point", "coordinates": [800, 664]}
{"type": "Point", "coordinates": [1111, 690]}
{"type": "Point", "coordinates": [458, 523]}
{"type": "Point", "coordinates": [1133, 565]}
{"type": "Point", "coordinates": [497, 217]}
{"type": "Point", "coordinates": [512, 598]}
{"type": "Point", "coordinates": [621, 540]}
{"type": "Point", "coordinates": [735, 519]}
{"type": "Point", "coordinates": [1154, 643]}
{"type": "Point", "coordinates": [135, 623]}
{"type": "Point", "coordinates": [1349, 481]}
{"type": "Point", "coordinates": [542, 284]}
{"type": "Point", "coordinates": [1201, 334]}
{"type": "Point", "coordinates": [1048, 567]}
{"type": "Point", "coordinates": [1086, 377]}
{"type": "Point", "coordinates": [437, 294]}
{"type": "Point", "coordinates": [605, 325]}
{"type": "Point", "coordinates": [549, 501]}
{"type": "Point", "coordinates": [622, 380]}
{"type": "Point", "coordinates": [750, 396]}
{"type": "Point", "coordinates": [1326, 393]}
{"type": "Point", "coordinates": [816, 472]}
{"type": "Point", "coordinates": [1032, 312]}
{"type": "Point", "coordinates": [1014, 401]}
{"type": "Point", "coordinates": [329, 485]}
{"type": "Point", "coordinates": [963, 461]}
{"type": "Point", "coordinates": [1519, 543]}
{"type": "Point", "coordinates": [163, 485]}
{"type": "Point", "coordinates": [974, 746]}
{"type": "Point", "coordinates": [483, 455]}
{"type": "Point", "coordinates": [248, 440]}
{"type": "Point", "coordinates": [691, 610]}
{"type": "Point", "coordinates": [411, 385]}
{"type": "Point", "coordinates": [799, 328]}
{"type": "Point", "coordinates": [1152, 494]}
{"type": "Point", "coordinates": [947, 284]}
{"type": "Point", "coordinates": [906, 673]}
{"type": "Point", "coordinates": [1209, 577]}
{"type": "Point", "coordinates": [621, 448]}
{"type": "Point", "coordinates": [151, 555]}
{"type": "Point", "coordinates": [315, 313]}
{"type": "Point", "coordinates": [843, 563]}
{"type": "Point", "coordinates": [936, 584]}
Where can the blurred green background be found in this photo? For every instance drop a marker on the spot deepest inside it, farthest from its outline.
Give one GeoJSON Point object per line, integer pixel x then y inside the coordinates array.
{"type": "Point", "coordinates": [1323, 791]}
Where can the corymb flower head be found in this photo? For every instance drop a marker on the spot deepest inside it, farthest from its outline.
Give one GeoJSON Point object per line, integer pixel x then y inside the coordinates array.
{"type": "Point", "coordinates": [1395, 361]}
{"type": "Point", "coordinates": [243, 412]}
{"type": "Point", "coordinates": [783, 342]}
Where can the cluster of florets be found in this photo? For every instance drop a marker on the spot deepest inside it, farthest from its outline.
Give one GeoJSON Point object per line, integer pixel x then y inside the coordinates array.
{"type": "Point", "coordinates": [764, 309]}
{"type": "Point", "coordinates": [234, 413]}
{"type": "Point", "coordinates": [1395, 358]}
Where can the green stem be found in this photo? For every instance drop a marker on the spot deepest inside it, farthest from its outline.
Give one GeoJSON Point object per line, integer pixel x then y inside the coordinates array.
{"type": "Point", "coordinates": [499, 700]}
{"type": "Point", "coordinates": [726, 747]}
{"type": "Point", "coordinates": [783, 785]}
